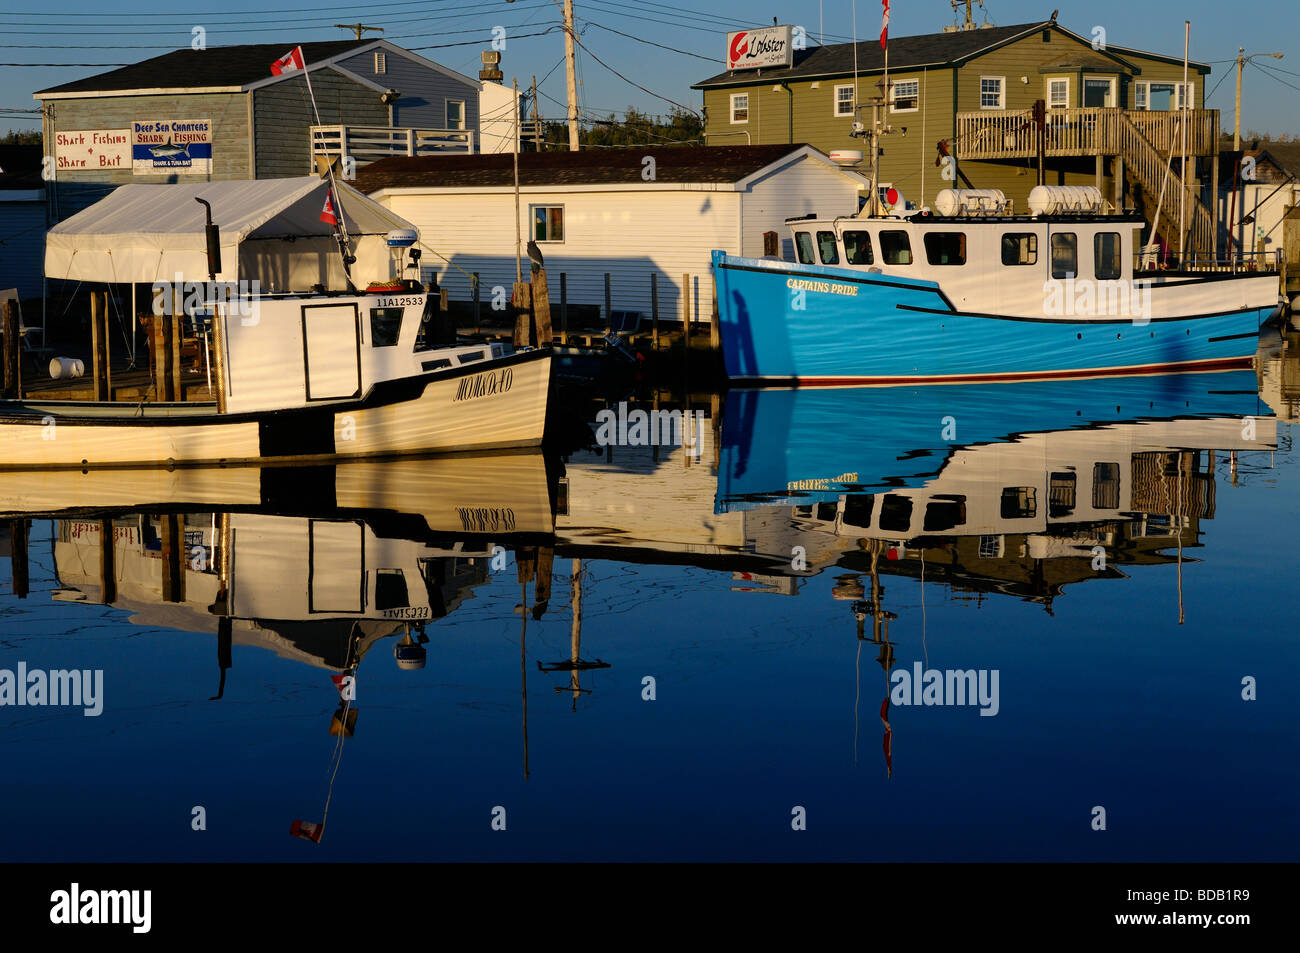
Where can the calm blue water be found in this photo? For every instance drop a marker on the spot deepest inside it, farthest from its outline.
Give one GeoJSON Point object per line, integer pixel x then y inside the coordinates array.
{"type": "Point", "coordinates": [766, 698]}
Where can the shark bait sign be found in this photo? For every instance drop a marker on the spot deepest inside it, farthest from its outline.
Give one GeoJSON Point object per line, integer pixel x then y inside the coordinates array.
{"type": "Point", "coordinates": [751, 49]}
{"type": "Point", "coordinates": [172, 146]}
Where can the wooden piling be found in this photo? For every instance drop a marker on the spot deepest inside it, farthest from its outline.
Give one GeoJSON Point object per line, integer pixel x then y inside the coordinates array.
{"type": "Point", "coordinates": [177, 331]}
{"type": "Point", "coordinates": [474, 287]}
{"type": "Point", "coordinates": [564, 308]}
{"type": "Point", "coordinates": [97, 378]}
{"type": "Point", "coordinates": [609, 317]}
{"type": "Point", "coordinates": [654, 310]}
{"type": "Point", "coordinates": [107, 339]}
{"type": "Point", "coordinates": [542, 307]}
{"type": "Point", "coordinates": [686, 314]}
{"type": "Point", "coordinates": [18, 556]}
{"type": "Point", "coordinates": [523, 308]}
{"type": "Point", "coordinates": [715, 332]}
{"type": "Point", "coordinates": [160, 350]}
{"type": "Point", "coordinates": [13, 385]}
{"type": "Point", "coordinates": [107, 564]}
{"type": "Point", "coordinates": [173, 553]}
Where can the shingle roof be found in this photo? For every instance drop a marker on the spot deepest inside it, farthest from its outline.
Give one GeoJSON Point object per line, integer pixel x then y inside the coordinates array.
{"type": "Point", "coordinates": [200, 69]}
{"type": "Point", "coordinates": [905, 52]}
{"type": "Point", "coordinates": [675, 164]}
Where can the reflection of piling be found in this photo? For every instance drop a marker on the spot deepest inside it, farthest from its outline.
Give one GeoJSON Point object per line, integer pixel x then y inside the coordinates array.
{"type": "Point", "coordinates": [18, 556]}
{"type": "Point", "coordinates": [173, 546]}
{"type": "Point", "coordinates": [13, 383]}
{"type": "Point", "coordinates": [107, 564]}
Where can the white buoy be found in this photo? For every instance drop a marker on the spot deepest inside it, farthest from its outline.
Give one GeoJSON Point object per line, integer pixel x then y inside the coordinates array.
{"type": "Point", "coordinates": [62, 368]}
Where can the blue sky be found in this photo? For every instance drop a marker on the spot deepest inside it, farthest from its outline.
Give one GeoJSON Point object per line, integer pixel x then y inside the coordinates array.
{"type": "Point", "coordinates": [75, 31]}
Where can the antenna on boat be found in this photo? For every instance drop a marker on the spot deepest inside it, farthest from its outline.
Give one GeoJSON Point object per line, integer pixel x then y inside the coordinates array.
{"type": "Point", "coordinates": [340, 222]}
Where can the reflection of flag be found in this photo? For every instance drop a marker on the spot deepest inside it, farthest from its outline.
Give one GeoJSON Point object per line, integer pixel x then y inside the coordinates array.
{"type": "Point", "coordinates": [327, 214]}
{"type": "Point", "coordinates": [889, 738]}
{"type": "Point", "coordinates": [884, 23]}
{"type": "Point", "coordinates": [307, 830]}
{"type": "Point", "coordinates": [289, 63]}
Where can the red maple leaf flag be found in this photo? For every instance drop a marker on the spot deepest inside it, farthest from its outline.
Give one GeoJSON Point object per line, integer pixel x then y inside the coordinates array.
{"type": "Point", "coordinates": [307, 831]}
{"type": "Point", "coordinates": [329, 217]}
{"type": "Point", "coordinates": [289, 63]}
{"type": "Point", "coordinates": [884, 23]}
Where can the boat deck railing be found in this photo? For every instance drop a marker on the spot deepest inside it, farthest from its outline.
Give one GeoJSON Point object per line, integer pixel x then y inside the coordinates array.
{"type": "Point", "coordinates": [1240, 262]}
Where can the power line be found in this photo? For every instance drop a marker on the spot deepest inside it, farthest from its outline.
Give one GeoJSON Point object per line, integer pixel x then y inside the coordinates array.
{"type": "Point", "coordinates": [1275, 78]}
{"type": "Point", "coordinates": [673, 49]}
{"type": "Point", "coordinates": [633, 82]}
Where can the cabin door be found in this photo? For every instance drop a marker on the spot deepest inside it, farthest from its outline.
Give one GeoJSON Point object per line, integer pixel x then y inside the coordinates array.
{"type": "Point", "coordinates": [332, 348]}
{"type": "Point", "coordinates": [337, 574]}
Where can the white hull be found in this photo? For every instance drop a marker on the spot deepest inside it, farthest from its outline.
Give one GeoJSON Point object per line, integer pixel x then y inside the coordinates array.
{"type": "Point", "coordinates": [487, 405]}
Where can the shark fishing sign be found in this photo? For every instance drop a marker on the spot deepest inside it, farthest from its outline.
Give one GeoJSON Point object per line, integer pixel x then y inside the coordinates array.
{"type": "Point", "coordinates": [182, 146]}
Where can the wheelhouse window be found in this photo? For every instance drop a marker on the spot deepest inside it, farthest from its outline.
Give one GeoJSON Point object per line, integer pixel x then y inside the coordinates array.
{"type": "Point", "coordinates": [1020, 248]}
{"type": "Point", "coordinates": [945, 248]}
{"type": "Point", "coordinates": [1019, 502]}
{"type": "Point", "coordinates": [857, 248]}
{"type": "Point", "coordinates": [385, 326]}
{"type": "Point", "coordinates": [895, 248]}
{"type": "Point", "coordinates": [455, 114]}
{"type": "Point", "coordinates": [896, 513]}
{"type": "Point", "coordinates": [844, 101]}
{"type": "Point", "coordinates": [804, 244]}
{"type": "Point", "coordinates": [739, 107]}
{"type": "Point", "coordinates": [905, 96]}
{"type": "Point", "coordinates": [944, 513]}
{"type": "Point", "coordinates": [548, 222]}
{"type": "Point", "coordinates": [826, 246]}
{"type": "Point", "coordinates": [1105, 255]}
{"type": "Point", "coordinates": [1061, 494]}
{"type": "Point", "coordinates": [1058, 93]}
{"type": "Point", "coordinates": [993, 92]}
{"type": "Point", "coordinates": [1065, 255]}
{"type": "Point", "coordinates": [1105, 486]}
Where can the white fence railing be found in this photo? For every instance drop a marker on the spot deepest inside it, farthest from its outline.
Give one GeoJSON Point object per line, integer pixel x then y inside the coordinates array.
{"type": "Point", "coordinates": [370, 143]}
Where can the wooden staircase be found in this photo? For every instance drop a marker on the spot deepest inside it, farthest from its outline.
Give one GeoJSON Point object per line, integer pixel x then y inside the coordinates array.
{"type": "Point", "coordinates": [1149, 167]}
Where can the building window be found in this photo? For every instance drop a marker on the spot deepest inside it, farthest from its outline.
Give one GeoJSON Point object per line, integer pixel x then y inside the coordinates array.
{"type": "Point", "coordinates": [1099, 92]}
{"type": "Point", "coordinates": [1061, 494]}
{"type": "Point", "coordinates": [1065, 255]}
{"type": "Point", "coordinates": [455, 114]}
{"type": "Point", "coordinates": [1058, 93]}
{"type": "Point", "coordinates": [1019, 502]}
{"type": "Point", "coordinates": [739, 107]}
{"type": "Point", "coordinates": [548, 222]}
{"type": "Point", "coordinates": [1105, 255]}
{"type": "Point", "coordinates": [844, 100]}
{"type": "Point", "coordinates": [945, 248]}
{"type": "Point", "coordinates": [803, 242]}
{"type": "Point", "coordinates": [826, 246]}
{"type": "Point", "coordinates": [381, 63]}
{"type": "Point", "coordinates": [1163, 97]}
{"type": "Point", "coordinates": [993, 92]}
{"type": "Point", "coordinates": [905, 96]}
{"type": "Point", "coordinates": [857, 248]}
{"type": "Point", "coordinates": [1105, 486]}
{"type": "Point", "coordinates": [1019, 248]}
{"type": "Point", "coordinates": [895, 248]}
{"type": "Point", "coordinates": [990, 547]}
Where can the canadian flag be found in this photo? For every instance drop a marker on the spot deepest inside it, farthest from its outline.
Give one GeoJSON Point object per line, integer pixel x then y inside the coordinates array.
{"type": "Point", "coordinates": [330, 217]}
{"type": "Point", "coordinates": [884, 24]}
{"type": "Point", "coordinates": [307, 831]}
{"type": "Point", "coordinates": [290, 62]}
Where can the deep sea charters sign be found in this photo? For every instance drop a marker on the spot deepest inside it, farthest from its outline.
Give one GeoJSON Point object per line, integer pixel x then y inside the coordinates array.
{"type": "Point", "coordinates": [485, 384]}
{"type": "Point", "coordinates": [182, 146]}
{"type": "Point", "coordinates": [81, 687]}
{"type": "Point", "coordinates": [77, 906]}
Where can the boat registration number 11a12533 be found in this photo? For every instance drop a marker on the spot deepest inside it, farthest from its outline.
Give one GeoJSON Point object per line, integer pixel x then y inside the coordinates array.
{"type": "Point", "coordinates": [400, 302]}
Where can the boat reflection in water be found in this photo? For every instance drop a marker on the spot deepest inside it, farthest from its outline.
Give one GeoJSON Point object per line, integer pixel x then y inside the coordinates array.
{"type": "Point", "coordinates": [1018, 490]}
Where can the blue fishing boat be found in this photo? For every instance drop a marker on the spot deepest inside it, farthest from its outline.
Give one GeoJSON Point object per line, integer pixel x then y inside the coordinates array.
{"type": "Point", "coordinates": [970, 292]}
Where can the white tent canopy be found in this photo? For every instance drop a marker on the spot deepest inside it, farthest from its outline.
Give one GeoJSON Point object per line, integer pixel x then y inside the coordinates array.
{"type": "Point", "coordinates": [270, 231]}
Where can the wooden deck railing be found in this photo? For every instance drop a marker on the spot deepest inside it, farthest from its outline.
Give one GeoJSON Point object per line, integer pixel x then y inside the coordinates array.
{"type": "Point", "coordinates": [1082, 131]}
{"type": "Point", "coordinates": [369, 143]}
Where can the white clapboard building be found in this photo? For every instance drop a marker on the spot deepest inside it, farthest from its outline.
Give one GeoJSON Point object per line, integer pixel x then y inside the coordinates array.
{"type": "Point", "coordinates": [629, 213]}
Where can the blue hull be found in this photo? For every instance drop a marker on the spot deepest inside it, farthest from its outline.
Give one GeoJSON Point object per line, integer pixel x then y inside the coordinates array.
{"type": "Point", "coordinates": [814, 444]}
{"type": "Point", "coordinates": [823, 326]}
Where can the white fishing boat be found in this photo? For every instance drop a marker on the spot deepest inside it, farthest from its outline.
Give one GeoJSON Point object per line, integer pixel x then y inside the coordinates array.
{"type": "Point", "coordinates": [296, 371]}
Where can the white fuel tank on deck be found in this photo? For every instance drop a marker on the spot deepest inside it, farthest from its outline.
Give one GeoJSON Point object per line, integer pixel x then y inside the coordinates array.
{"type": "Point", "coordinates": [969, 201]}
{"type": "Point", "coordinates": [1054, 199]}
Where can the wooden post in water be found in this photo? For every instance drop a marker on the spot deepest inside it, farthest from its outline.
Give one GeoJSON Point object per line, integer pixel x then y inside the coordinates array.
{"type": "Point", "coordinates": [107, 564]}
{"type": "Point", "coordinates": [715, 332]}
{"type": "Point", "coordinates": [564, 308]}
{"type": "Point", "coordinates": [18, 555]}
{"type": "Point", "coordinates": [542, 587]}
{"type": "Point", "coordinates": [542, 309]}
{"type": "Point", "coordinates": [173, 551]}
{"type": "Point", "coordinates": [177, 329]}
{"type": "Point", "coordinates": [13, 385]}
{"type": "Point", "coordinates": [686, 314]}
{"type": "Point", "coordinates": [654, 310]}
{"type": "Point", "coordinates": [609, 317]}
{"type": "Point", "coordinates": [522, 301]}
{"type": "Point", "coordinates": [474, 286]}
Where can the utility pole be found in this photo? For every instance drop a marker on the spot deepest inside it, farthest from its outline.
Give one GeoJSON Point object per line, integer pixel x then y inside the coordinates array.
{"type": "Point", "coordinates": [537, 118]}
{"type": "Point", "coordinates": [358, 28]}
{"type": "Point", "coordinates": [570, 76]}
{"type": "Point", "coordinates": [1242, 60]}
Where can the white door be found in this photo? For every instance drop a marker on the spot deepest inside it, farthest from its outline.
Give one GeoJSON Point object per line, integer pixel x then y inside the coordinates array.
{"type": "Point", "coordinates": [332, 348]}
{"type": "Point", "coordinates": [338, 566]}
